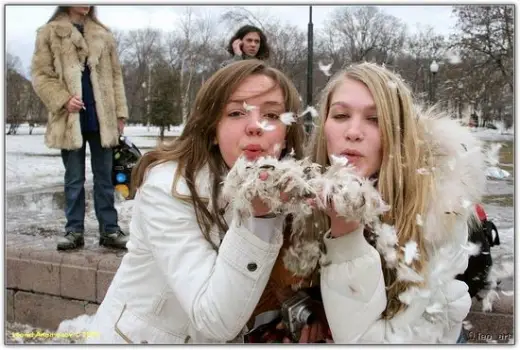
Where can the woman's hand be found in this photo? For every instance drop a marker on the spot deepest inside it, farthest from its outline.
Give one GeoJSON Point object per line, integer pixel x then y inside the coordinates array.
{"type": "Point", "coordinates": [339, 226]}
{"type": "Point", "coordinates": [74, 104]}
{"type": "Point", "coordinates": [259, 206]}
{"type": "Point", "coordinates": [237, 47]}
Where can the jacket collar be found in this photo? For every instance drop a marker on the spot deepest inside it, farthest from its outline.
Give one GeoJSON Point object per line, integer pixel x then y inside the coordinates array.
{"type": "Point", "coordinates": [458, 172]}
{"type": "Point", "coordinates": [90, 45]}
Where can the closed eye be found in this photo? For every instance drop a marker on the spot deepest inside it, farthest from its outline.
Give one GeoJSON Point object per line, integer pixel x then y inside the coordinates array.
{"type": "Point", "coordinates": [340, 116]}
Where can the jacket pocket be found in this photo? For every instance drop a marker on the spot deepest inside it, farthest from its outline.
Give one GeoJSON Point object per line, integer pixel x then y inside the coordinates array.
{"type": "Point", "coordinates": [136, 330]}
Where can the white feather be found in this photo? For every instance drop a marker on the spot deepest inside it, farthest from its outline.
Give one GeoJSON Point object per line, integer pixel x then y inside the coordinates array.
{"type": "Point", "coordinates": [312, 111]}
{"type": "Point", "coordinates": [392, 85]}
{"type": "Point", "coordinates": [264, 125]}
{"type": "Point", "coordinates": [419, 220]}
{"type": "Point", "coordinates": [489, 299]}
{"type": "Point", "coordinates": [467, 325]}
{"type": "Point", "coordinates": [508, 293]}
{"type": "Point", "coordinates": [435, 308]}
{"type": "Point", "coordinates": [338, 160]}
{"type": "Point", "coordinates": [471, 248]}
{"type": "Point", "coordinates": [405, 273]}
{"type": "Point", "coordinates": [410, 252]}
{"type": "Point", "coordinates": [492, 154]}
{"type": "Point", "coordinates": [466, 204]}
{"type": "Point", "coordinates": [287, 118]}
{"type": "Point", "coordinates": [325, 68]}
{"type": "Point", "coordinates": [249, 108]}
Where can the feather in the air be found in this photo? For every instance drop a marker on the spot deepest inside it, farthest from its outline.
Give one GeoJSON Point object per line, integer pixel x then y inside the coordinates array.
{"type": "Point", "coordinates": [419, 220]}
{"type": "Point", "coordinates": [249, 108]}
{"type": "Point", "coordinates": [487, 302]}
{"type": "Point", "coordinates": [406, 273]}
{"type": "Point", "coordinates": [325, 68]}
{"type": "Point", "coordinates": [264, 125]}
{"type": "Point", "coordinates": [471, 248]}
{"type": "Point", "coordinates": [287, 118]}
{"type": "Point", "coordinates": [410, 252]}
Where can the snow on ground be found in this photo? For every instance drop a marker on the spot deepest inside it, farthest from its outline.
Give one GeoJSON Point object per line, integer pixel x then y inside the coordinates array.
{"type": "Point", "coordinates": [494, 135]}
{"type": "Point", "coordinates": [31, 165]}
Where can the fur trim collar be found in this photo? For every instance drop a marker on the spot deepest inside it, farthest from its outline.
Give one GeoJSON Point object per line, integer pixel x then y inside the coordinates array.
{"type": "Point", "coordinates": [89, 46]}
{"type": "Point", "coordinates": [459, 175]}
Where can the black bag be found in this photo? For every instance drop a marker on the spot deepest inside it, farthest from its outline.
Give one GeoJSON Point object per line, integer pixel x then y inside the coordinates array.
{"type": "Point", "coordinates": [125, 156]}
{"type": "Point", "coordinates": [476, 275]}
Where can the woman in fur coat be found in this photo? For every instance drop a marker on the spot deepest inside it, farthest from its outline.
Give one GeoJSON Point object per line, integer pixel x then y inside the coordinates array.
{"type": "Point", "coordinates": [393, 281]}
{"type": "Point", "coordinates": [76, 73]}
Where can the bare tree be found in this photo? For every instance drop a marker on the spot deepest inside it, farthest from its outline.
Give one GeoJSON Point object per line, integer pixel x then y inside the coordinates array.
{"type": "Point", "coordinates": [489, 31]}
{"type": "Point", "coordinates": [141, 45]}
{"type": "Point", "coordinates": [419, 51]}
{"type": "Point", "coordinates": [364, 33]}
{"type": "Point", "coordinates": [238, 16]}
{"type": "Point", "coordinates": [185, 49]}
{"type": "Point", "coordinates": [17, 87]}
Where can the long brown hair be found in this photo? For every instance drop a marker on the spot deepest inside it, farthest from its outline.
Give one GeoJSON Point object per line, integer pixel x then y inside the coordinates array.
{"type": "Point", "coordinates": [64, 10]}
{"type": "Point", "coordinates": [404, 151]}
{"type": "Point", "coordinates": [195, 148]}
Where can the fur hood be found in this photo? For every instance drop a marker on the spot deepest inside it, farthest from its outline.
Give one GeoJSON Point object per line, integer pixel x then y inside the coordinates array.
{"type": "Point", "coordinates": [459, 175]}
{"type": "Point", "coordinates": [57, 65]}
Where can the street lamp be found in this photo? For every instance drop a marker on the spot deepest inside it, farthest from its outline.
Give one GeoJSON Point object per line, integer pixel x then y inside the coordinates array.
{"type": "Point", "coordinates": [308, 117]}
{"type": "Point", "coordinates": [434, 68]}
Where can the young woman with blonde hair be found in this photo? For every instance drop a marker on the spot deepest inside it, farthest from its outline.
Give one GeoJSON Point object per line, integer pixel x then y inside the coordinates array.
{"type": "Point", "coordinates": [400, 287]}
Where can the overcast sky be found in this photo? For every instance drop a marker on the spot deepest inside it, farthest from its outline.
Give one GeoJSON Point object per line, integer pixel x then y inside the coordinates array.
{"type": "Point", "coordinates": [22, 21]}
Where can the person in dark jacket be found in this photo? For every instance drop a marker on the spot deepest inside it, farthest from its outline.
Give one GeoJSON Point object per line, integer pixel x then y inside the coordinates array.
{"type": "Point", "coordinates": [77, 75]}
{"type": "Point", "coordinates": [248, 42]}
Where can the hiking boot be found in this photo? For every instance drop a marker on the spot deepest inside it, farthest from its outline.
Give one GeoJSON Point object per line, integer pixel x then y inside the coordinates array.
{"type": "Point", "coordinates": [116, 239]}
{"type": "Point", "coordinates": [71, 240]}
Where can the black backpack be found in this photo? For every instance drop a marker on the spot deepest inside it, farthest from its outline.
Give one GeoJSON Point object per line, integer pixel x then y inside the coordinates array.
{"type": "Point", "coordinates": [484, 234]}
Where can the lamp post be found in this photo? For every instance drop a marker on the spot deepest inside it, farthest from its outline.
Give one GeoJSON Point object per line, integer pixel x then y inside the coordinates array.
{"type": "Point", "coordinates": [434, 68]}
{"type": "Point", "coordinates": [308, 117]}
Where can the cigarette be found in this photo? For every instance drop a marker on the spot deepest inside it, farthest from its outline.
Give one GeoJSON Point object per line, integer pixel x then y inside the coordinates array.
{"type": "Point", "coordinates": [83, 108]}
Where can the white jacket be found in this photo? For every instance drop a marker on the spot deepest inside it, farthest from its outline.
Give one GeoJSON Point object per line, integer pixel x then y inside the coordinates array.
{"type": "Point", "coordinates": [352, 285]}
{"type": "Point", "coordinates": [172, 286]}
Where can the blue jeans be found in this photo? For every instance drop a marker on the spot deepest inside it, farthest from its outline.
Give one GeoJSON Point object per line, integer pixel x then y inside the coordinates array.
{"type": "Point", "coordinates": [101, 161]}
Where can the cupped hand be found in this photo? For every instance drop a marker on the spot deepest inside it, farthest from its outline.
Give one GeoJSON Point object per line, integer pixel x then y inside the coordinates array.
{"type": "Point", "coordinates": [260, 208]}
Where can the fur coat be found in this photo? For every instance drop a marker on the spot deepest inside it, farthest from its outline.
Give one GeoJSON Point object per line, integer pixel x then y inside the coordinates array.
{"type": "Point", "coordinates": [56, 69]}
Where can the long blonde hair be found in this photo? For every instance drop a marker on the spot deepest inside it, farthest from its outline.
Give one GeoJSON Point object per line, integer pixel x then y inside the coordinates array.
{"type": "Point", "coordinates": [403, 153]}
{"type": "Point", "coordinates": [195, 148]}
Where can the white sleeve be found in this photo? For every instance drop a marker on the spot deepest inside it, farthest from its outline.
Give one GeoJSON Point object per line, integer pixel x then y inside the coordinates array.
{"type": "Point", "coordinates": [218, 291]}
{"type": "Point", "coordinates": [352, 285]}
{"type": "Point", "coordinates": [354, 298]}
